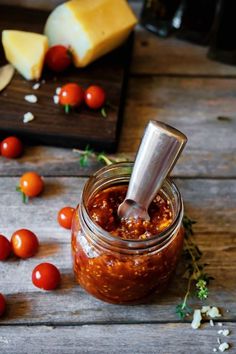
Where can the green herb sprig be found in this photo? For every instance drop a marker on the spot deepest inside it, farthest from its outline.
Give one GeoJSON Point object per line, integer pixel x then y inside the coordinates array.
{"type": "Point", "coordinates": [198, 279]}
{"type": "Point", "coordinates": [87, 155]}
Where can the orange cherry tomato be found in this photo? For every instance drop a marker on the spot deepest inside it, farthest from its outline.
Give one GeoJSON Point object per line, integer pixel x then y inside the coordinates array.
{"type": "Point", "coordinates": [71, 95]}
{"type": "Point", "coordinates": [2, 304]}
{"type": "Point", "coordinates": [31, 184]}
{"type": "Point", "coordinates": [65, 216]}
{"type": "Point", "coordinates": [5, 248]}
{"type": "Point", "coordinates": [46, 276]}
{"type": "Point", "coordinates": [24, 243]}
{"type": "Point", "coordinates": [95, 97]}
{"type": "Point", "coordinates": [11, 147]}
{"type": "Point", "coordinates": [58, 58]}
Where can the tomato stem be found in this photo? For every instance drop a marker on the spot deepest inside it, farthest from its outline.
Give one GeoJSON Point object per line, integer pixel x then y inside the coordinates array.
{"type": "Point", "coordinates": [25, 199]}
{"type": "Point", "coordinates": [67, 108]}
{"type": "Point", "coordinates": [104, 112]}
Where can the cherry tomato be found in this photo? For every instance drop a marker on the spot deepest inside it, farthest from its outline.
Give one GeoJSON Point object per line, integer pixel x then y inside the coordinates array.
{"type": "Point", "coordinates": [31, 184]}
{"type": "Point", "coordinates": [95, 97]}
{"type": "Point", "coordinates": [2, 304]}
{"type": "Point", "coordinates": [24, 243]}
{"type": "Point", "coordinates": [71, 95]}
{"type": "Point", "coordinates": [11, 147]}
{"type": "Point", "coordinates": [5, 248]}
{"type": "Point", "coordinates": [58, 58]}
{"type": "Point", "coordinates": [65, 217]}
{"type": "Point", "coordinates": [46, 276]}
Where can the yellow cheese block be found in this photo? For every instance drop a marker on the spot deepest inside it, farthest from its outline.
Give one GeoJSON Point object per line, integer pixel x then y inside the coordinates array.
{"type": "Point", "coordinates": [25, 51]}
{"type": "Point", "coordinates": [91, 28]}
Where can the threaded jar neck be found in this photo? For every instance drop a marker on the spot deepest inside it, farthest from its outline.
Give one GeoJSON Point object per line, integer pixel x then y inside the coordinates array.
{"type": "Point", "coordinates": [117, 174]}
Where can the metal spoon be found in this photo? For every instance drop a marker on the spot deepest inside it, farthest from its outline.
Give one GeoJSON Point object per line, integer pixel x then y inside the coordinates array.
{"type": "Point", "coordinates": [159, 150]}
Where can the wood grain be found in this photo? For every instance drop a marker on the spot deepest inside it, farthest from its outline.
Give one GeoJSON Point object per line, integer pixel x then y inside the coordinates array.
{"type": "Point", "coordinates": [51, 125]}
{"type": "Point", "coordinates": [158, 339]}
{"type": "Point", "coordinates": [172, 81]}
{"type": "Point", "coordinates": [157, 56]}
{"type": "Point", "coordinates": [212, 203]}
{"type": "Point", "coordinates": [193, 105]}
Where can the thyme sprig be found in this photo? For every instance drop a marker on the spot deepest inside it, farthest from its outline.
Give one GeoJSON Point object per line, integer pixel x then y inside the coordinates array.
{"type": "Point", "coordinates": [194, 271]}
{"type": "Point", "coordinates": [87, 155]}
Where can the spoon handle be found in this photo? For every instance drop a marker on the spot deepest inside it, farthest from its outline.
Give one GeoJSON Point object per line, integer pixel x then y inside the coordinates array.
{"type": "Point", "coordinates": [160, 148]}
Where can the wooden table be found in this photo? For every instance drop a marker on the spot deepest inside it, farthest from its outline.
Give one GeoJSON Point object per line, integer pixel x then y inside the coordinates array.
{"type": "Point", "coordinates": [174, 82]}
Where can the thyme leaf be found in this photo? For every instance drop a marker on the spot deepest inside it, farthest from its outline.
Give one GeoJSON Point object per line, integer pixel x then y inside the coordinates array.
{"type": "Point", "coordinates": [194, 270]}
{"type": "Point", "coordinates": [202, 290]}
{"type": "Point", "coordinates": [105, 159]}
{"type": "Point", "coordinates": [87, 155]}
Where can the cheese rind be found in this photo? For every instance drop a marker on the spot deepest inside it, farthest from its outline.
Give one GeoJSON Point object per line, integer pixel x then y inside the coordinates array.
{"type": "Point", "coordinates": [90, 28]}
{"type": "Point", "coordinates": [25, 51]}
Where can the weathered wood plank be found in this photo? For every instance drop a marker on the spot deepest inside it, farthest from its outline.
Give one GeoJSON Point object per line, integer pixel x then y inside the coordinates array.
{"type": "Point", "coordinates": [48, 161]}
{"type": "Point", "coordinates": [192, 105]}
{"type": "Point", "coordinates": [212, 203]}
{"type": "Point", "coordinates": [155, 338]}
{"type": "Point", "coordinates": [154, 55]}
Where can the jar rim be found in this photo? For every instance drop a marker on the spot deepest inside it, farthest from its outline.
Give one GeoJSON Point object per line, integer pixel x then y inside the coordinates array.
{"type": "Point", "coordinates": [132, 243]}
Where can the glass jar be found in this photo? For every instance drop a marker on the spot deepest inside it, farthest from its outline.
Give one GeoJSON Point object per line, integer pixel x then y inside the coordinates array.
{"type": "Point", "coordinates": [124, 271]}
{"type": "Point", "coordinates": [161, 16]}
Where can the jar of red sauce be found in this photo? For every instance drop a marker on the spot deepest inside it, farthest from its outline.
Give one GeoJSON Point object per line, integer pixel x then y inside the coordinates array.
{"type": "Point", "coordinates": [125, 263]}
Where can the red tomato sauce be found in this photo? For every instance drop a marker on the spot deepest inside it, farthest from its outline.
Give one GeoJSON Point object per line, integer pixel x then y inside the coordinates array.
{"type": "Point", "coordinates": [120, 277]}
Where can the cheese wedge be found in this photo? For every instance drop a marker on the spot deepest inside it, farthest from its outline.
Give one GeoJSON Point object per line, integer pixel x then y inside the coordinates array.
{"type": "Point", "coordinates": [91, 28]}
{"type": "Point", "coordinates": [25, 51]}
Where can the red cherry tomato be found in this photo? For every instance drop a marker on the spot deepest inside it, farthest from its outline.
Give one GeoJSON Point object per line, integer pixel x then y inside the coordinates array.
{"type": "Point", "coordinates": [2, 304]}
{"type": "Point", "coordinates": [46, 276]}
{"type": "Point", "coordinates": [95, 97]}
{"type": "Point", "coordinates": [24, 243]}
{"type": "Point", "coordinates": [71, 95]}
{"type": "Point", "coordinates": [5, 248]}
{"type": "Point", "coordinates": [58, 58]}
{"type": "Point", "coordinates": [65, 217]}
{"type": "Point", "coordinates": [11, 147]}
{"type": "Point", "coordinates": [31, 184]}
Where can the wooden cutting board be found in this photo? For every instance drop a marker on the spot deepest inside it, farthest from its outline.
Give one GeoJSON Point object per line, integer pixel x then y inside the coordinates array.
{"type": "Point", "coordinates": [51, 125]}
